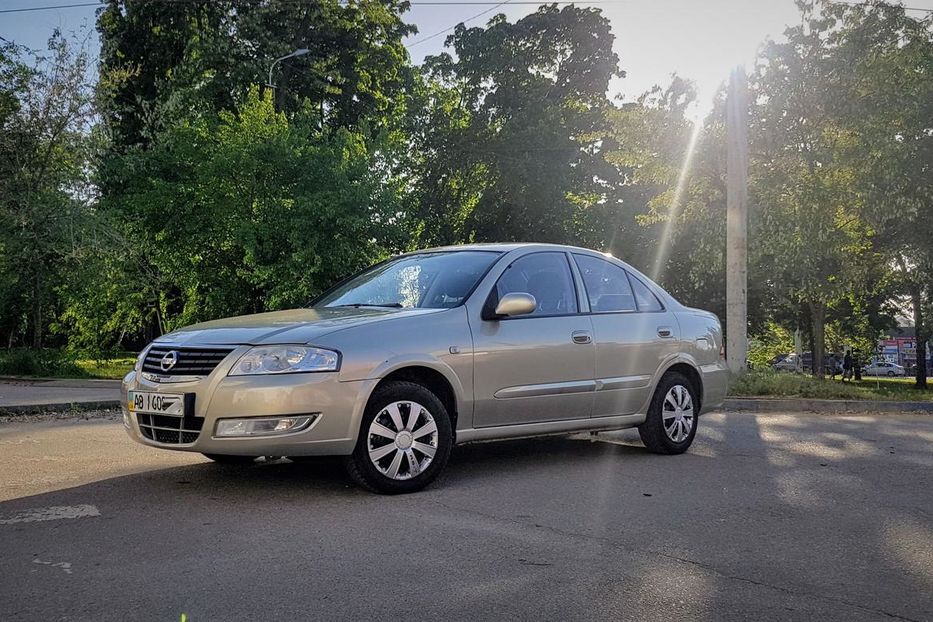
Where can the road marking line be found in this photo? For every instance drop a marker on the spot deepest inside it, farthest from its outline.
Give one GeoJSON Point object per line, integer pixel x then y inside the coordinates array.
{"type": "Point", "coordinates": [56, 512]}
{"type": "Point", "coordinates": [66, 566]}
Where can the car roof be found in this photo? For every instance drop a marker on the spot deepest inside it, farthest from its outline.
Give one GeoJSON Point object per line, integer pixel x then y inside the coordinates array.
{"type": "Point", "coordinates": [503, 247]}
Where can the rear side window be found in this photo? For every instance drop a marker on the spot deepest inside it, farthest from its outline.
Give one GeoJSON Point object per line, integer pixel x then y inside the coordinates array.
{"type": "Point", "coordinates": [644, 297]}
{"type": "Point", "coordinates": [607, 286]}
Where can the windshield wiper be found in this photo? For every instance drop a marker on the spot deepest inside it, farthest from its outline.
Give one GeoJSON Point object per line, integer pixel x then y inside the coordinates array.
{"type": "Point", "coordinates": [389, 305]}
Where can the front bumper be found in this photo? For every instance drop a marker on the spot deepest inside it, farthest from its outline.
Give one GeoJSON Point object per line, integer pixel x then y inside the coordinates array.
{"type": "Point", "coordinates": [338, 406]}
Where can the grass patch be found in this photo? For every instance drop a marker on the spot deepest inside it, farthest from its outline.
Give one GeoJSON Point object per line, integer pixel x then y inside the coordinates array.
{"type": "Point", "coordinates": [782, 384]}
{"type": "Point", "coordinates": [56, 364]}
{"type": "Point", "coordinates": [107, 368]}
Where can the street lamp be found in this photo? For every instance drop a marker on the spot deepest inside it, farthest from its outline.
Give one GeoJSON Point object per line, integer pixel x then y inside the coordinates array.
{"type": "Point", "coordinates": [298, 52]}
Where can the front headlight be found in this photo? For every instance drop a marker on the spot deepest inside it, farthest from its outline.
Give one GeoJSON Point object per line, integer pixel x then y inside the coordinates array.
{"type": "Point", "coordinates": [285, 360]}
{"type": "Point", "coordinates": [139, 360]}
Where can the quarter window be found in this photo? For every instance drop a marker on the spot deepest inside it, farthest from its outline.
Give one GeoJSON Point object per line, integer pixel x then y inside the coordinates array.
{"type": "Point", "coordinates": [546, 276]}
{"type": "Point", "coordinates": [644, 297]}
{"type": "Point", "coordinates": [607, 286]}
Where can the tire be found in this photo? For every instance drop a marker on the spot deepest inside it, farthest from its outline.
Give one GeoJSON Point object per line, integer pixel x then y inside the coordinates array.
{"type": "Point", "coordinates": [230, 459]}
{"type": "Point", "coordinates": [653, 432]}
{"type": "Point", "coordinates": [404, 464]}
{"type": "Point", "coordinates": [891, 374]}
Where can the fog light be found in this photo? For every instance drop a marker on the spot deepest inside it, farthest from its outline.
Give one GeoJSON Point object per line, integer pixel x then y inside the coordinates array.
{"type": "Point", "coordinates": [262, 426]}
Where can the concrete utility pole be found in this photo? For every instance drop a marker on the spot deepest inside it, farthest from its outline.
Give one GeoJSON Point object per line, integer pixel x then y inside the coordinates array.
{"type": "Point", "coordinates": [737, 222]}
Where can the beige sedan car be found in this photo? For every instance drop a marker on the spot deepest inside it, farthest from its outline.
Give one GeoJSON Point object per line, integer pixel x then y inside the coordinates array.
{"type": "Point", "coordinates": [393, 367]}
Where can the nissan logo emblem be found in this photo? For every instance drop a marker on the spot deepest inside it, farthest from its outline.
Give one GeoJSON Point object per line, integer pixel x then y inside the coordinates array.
{"type": "Point", "coordinates": [169, 360]}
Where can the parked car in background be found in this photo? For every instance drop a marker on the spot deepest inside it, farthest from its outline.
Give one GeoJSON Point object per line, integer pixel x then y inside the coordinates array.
{"type": "Point", "coordinates": [433, 348]}
{"type": "Point", "coordinates": [788, 362]}
{"type": "Point", "coordinates": [784, 362]}
{"type": "Point", "coordinates": [883, 368]}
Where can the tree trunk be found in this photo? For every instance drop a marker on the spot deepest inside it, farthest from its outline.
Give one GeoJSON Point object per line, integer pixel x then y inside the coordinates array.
{"type": "Point", "coordinates": [922, 336]}
{"type": "Point", "coordinates": [921, 376]}
{"type": "Point", "coordinates": [37, 314]}
{"type": "Point", "coordinates": [817, 331]}
{"type": "Point", "coordinates": [798, 349]}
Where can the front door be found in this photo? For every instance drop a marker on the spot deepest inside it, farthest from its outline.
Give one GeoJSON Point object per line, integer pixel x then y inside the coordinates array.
{"type": "Point", "coordinates": [537, 367]}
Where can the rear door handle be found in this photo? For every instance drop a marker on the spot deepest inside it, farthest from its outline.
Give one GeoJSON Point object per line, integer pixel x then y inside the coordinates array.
{"type": "Point", "coordinates": [581, 336]}
{"type": "Point", "coordinates": [665, 332]}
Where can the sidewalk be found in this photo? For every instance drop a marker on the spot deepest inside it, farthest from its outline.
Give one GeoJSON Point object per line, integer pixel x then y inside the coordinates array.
{"type": "Point", "coordinates": [28, 394]}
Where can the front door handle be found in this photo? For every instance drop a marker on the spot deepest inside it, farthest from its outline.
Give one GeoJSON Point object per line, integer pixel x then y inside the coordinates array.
{"type": "Point", "coordinates": [581, 336]}
{"type": "Point", "coordinates": [665, 332]}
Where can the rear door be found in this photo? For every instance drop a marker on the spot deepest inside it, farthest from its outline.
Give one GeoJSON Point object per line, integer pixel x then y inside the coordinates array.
{"type": "Point", "coordinates": [537, 367]}
{"type": "Point", "coordinates": [634, 333]}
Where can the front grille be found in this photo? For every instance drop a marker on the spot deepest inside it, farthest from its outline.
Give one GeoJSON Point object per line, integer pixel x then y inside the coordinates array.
{"type": "Point", "coordinates": [189, 361]}
{"type": "Point", "coordinates": [170, 430]}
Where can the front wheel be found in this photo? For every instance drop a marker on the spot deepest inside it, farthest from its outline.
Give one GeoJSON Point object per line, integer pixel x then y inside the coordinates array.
{"type": "Point", "coordinates": [891, 374]}
{"type": "Point", "coordinates": [404, 441]}
{"type": "Point", "coordinates": [671, 423]}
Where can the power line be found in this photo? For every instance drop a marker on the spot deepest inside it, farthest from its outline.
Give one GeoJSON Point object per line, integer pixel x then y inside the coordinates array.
{"type": "Point", "coordinates": [427, 3]}
{"type": "Point", "coordinates": [449, 28]}
{"type": "Point", "coordinates": [47, 8]}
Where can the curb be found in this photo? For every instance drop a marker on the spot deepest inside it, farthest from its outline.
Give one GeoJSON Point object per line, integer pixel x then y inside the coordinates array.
{"type": "Point", "coordinates": [763, 404]}
{"type": "Point", "coordinates": [38, 409]}
{"type": "Point", "coordinates": [73, 383]}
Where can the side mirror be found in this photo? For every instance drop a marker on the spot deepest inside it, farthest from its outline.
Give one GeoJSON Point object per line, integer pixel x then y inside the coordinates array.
{"type": "Point", "coordinates": [516, 303]}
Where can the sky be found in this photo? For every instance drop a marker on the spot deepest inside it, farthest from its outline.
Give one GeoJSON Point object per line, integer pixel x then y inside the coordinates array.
{"type": "Point", "coordinates": [697, 39]}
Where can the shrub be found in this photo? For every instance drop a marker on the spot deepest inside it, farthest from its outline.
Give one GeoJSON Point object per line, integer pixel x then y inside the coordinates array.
{"type": "Point", "coordinates": [50, 363]}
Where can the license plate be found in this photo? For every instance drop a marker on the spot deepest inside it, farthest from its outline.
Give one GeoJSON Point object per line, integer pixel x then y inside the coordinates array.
{"type": "Point", "coordinates": [156, 403]}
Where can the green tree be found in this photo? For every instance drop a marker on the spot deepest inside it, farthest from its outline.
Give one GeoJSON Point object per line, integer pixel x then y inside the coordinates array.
{"type": "Point", "coordinates": [521, 111]}
{"type": "Point", "coordinates": [243, 213]}
{"type": "Point", "coordinates": [889, 119]}
{"type": "Point", "coordinates": [46, 108]}
{"type": "Point", "coordinates": [178, 60]}
{"type": "Point", "coordinates": [812, 235]}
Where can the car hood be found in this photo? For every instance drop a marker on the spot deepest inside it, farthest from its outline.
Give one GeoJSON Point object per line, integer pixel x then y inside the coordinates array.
{"type": "Point", "coordinates": [293, 326]}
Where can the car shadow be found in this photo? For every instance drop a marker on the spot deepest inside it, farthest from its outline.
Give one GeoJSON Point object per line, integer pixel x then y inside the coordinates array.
{"type": "Point", "coordinates": [325, 477]}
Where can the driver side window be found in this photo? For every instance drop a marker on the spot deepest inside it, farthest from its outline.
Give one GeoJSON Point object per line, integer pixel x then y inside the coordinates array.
{"type": "Point", "coordinates": [547, 277]}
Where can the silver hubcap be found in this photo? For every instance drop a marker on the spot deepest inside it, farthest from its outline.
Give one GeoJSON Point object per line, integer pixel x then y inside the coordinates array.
{"type": "Point", "coordinates": [677, 413]}
{"type": "Point", "coordinates": [402, 440]}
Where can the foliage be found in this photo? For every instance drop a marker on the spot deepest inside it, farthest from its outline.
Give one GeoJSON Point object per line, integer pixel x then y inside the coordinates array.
{"type": "Point", "coordinates": [243, 213]}
{"type": "Point", "coordinates": [44, 363]}
{"type": "Point", "coordinates": [46, 108]}
{"type": "Point", "coordinates": [671, 221]}
{"type": "Point", "coordinates": [162, 62]}
{"type": "Point", "coordinates": [521, 109]}
{"type": "Point", "coordinates": [889, 60]}
{"type": "Point", "coordinates": [771, 341]}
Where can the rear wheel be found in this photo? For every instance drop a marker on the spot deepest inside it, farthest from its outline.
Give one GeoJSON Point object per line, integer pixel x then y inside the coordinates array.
{"type": "Point", "coordinates": [404, 441]}
{"type": "Point", "coordinates": [228, 459]}
{"type": "Point", "coordinates": [891, 373]}
{"type": "Point", "coordinates": [671, 423]}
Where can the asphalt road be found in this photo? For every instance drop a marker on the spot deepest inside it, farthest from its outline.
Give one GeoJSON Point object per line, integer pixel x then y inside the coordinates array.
{"type": "Point", "coordinates": [767, 517]}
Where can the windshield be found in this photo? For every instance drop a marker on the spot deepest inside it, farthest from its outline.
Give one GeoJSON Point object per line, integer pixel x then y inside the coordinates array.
{"type": "Point", "coordinates": [425, 280]}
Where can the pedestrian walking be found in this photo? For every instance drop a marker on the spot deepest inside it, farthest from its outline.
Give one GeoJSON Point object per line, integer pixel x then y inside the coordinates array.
{"type": "Point", "coordinates": [847, 366]}
{"type": "Point", "coordinates": [857, 366]}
